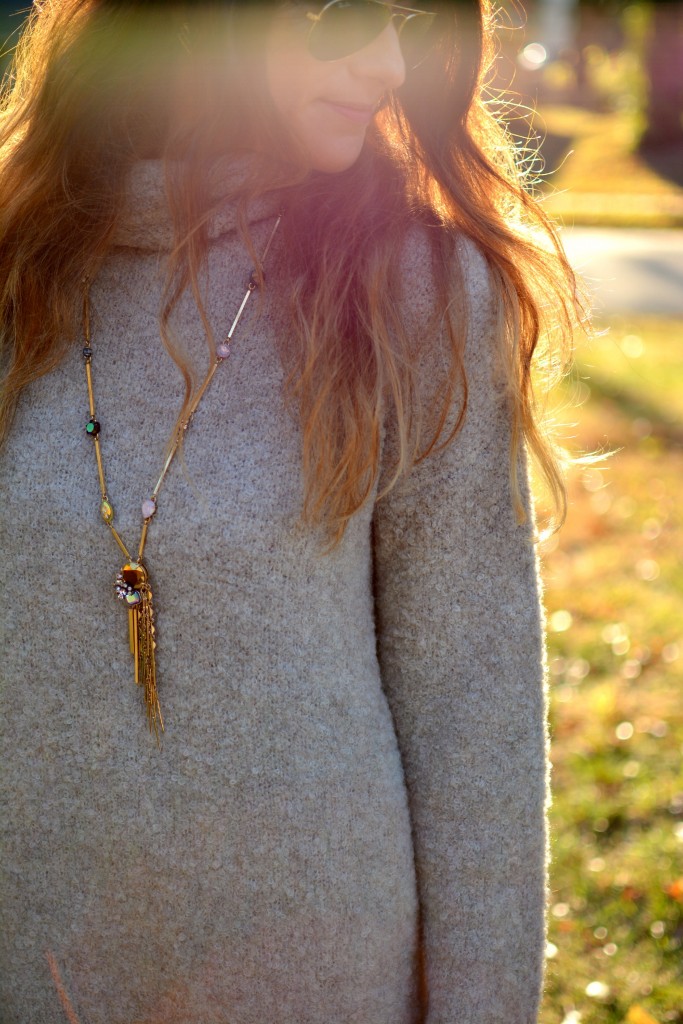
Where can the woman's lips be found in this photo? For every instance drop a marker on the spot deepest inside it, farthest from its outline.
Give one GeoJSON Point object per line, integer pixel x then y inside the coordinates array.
{"type": "Point", "coordinates": [352, 112]}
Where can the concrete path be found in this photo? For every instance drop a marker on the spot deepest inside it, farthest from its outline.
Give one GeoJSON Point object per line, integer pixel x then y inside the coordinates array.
{"type": "Point", "coordinates": [630, 270]}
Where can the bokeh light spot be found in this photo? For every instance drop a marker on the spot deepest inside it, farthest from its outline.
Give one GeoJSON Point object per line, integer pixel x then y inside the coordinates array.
{"type": "Point", "coordinates": [647, 569]}
{"type": "Point", "coordinates": [632, 346]}
{"type": "Point", "coordinates": [597, 990]}
{"type": "Point", "coordinates": [534, 55]}
{"type": "Point", "coordinates": [560, 621]}
{"type": "Point", "coordinates": [670, 653]}
{"type": "Point", "coordinates": [578, 669]}
{"type": "Point", "coordinates": [624, 731]}
{"type": "Point", "coordinates": [652, 529]}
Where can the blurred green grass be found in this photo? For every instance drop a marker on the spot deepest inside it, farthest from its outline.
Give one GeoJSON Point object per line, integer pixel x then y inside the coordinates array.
{"type": "Point", "coordinates": [614, 596]}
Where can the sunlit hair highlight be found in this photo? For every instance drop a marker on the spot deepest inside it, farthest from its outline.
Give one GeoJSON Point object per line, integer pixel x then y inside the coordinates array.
{"type": "Point", "coordinates": [98, 84]}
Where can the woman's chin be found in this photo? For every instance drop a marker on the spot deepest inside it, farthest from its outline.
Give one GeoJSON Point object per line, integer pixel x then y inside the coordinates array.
{"type": "Point", "coordinates": [335, 155]}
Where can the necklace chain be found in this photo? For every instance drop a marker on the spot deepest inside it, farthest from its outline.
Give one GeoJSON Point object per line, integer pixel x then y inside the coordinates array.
{"type": "Point", "coordinates": [132, 584]}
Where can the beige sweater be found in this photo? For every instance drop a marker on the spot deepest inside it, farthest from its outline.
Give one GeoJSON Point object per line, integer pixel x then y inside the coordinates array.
{"type": "Point", "coordinates": [354, 742]}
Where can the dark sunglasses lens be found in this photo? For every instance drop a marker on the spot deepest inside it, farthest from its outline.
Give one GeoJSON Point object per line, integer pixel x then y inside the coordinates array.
{"type": "Point", "coordinates": [418, 36]}
{"type": "Point", "coordinates": [345, 27]}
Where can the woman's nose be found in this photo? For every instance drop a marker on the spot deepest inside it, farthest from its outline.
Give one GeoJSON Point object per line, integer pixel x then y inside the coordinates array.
{"type": "Point", "coordinates": [382, 59]}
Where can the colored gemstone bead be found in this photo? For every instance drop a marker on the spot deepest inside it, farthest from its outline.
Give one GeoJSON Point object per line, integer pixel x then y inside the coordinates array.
{"type": "Point", "coordinates": [87, 352]}
{"type": "Point", "coordinates": [133, 573]}
{"type": "Point", "coordinates": [132, 598]}
{"type": "Point", "coordinates": [106, 511]}
{"type": "Point", "coordinates": [223, 350]}
{"type": "Point", "coordinates": [148, 508]}
{"type": "Point", "coordinates": [92, 427]}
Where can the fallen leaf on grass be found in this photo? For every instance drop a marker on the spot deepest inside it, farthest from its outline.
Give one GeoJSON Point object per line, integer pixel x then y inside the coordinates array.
{"type": "Point", "coordinates": [675, 890]}
{"type": "Point", "coordinates": [637, 1015]}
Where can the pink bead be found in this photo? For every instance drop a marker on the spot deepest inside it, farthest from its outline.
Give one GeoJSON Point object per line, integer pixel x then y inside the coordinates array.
{"type": "Point", "coordinates": [148, 508]}
{"type": "Point", "coordinates": [223, 350]}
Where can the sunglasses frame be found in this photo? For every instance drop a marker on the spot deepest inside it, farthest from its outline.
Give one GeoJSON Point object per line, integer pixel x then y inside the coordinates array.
{"type": "Point", "coordinates": [394, 11]}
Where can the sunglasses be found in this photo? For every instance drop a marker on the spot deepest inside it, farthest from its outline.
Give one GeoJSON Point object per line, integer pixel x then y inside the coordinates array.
{"type": "Point", "coordinates": [342, 27]}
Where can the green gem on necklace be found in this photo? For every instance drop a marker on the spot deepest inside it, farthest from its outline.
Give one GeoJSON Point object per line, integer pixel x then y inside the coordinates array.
{"type": "Point", "coordinates": [106, 511]}
{"type": "Point", "coordinates": [92, 427]}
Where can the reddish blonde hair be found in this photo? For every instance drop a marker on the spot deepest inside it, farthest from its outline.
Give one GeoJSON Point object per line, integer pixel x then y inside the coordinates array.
{"type": "Point", "coordinates": [98, 84]}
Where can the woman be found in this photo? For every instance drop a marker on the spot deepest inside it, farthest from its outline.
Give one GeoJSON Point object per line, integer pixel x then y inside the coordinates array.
{"type": "Point", "coordinates": [324, 802]}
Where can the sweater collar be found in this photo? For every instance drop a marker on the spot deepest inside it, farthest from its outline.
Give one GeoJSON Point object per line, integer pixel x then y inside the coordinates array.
{"type": "Point", "coordinates": [145, 222]}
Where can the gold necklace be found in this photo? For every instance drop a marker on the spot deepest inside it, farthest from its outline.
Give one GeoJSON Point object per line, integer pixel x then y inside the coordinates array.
{"type": "Point", "coordinates": [132, 583]}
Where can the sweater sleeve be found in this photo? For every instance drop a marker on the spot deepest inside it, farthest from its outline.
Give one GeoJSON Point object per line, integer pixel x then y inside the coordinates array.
{"type": "Point", "coordinates": [460, 644]}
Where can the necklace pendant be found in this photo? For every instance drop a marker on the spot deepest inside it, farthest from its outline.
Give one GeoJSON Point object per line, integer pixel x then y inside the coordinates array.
{"type": "Point", "coordinates": [133, 589]}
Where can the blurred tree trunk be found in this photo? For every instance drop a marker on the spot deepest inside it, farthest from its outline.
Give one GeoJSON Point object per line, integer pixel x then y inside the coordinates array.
{"type": "Point", "coordinates": [664, 68]}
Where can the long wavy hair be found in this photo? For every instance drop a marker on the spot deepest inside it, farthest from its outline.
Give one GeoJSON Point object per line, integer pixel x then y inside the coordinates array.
{"type": "Point", "coordinates": [98, 84]}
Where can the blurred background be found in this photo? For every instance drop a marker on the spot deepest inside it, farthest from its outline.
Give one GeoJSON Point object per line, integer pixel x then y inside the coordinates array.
{"type": "Point", "coordinates": [601, 85]}
{"type": "Point", "coordinates": [594, 96]}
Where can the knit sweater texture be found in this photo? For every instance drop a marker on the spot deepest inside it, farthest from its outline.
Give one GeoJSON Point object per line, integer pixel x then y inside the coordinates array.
{"type": "Point", "coordinates": [351, 788]}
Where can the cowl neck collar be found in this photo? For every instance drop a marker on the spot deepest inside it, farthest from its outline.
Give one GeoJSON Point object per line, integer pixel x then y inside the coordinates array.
{"type": "Point", "coordinates": [145, 222]}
